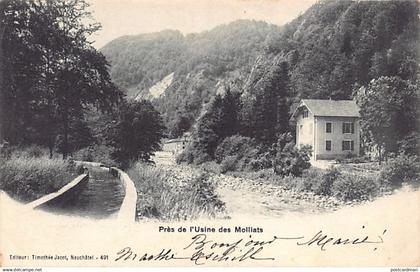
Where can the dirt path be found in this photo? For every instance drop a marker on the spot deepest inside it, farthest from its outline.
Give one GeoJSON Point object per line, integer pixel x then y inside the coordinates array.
{"type": "Point", "coordinates": [246, 198]}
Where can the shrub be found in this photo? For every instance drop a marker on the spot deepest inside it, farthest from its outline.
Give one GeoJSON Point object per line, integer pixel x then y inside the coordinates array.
{"type": "Point", "coordinates": [410, 144]}
{"type": "Point", "coordinates": [235, 145]}
{"type": "Point", "coordinates": [193, 153]}
{"type": "Point", "coordinates": [36, 151]}
{"type": "Point", "coordinates": [290, 160]}
{"type": "Point", "coordinates": [311, 179]}
{"type": "Point", "coordinates": [319, 181]}
{"type": "Point", "coordinates": [204, 192]}
{"type": "Point", "coordinates": [349, 155]}
{"type": "Point", "coordinates": [211, 167]}
{"type": "Point", "coordinates": [355, 187]}
{"type": "Point", "coordinates": [260, 161]}
{"type": "Point", "coordinates": [241, 153]}
{"type": "Point", "coordinates": [327, 181]}
{"type": "Point", "coordinates": [96, 153]}
{"type": "Point", "coordinates": [32, 151]}
{"type": "Point", "coordinates": [228, 164]}
{"type": "Point", "coordinates": [295, 183]}
{"type": "Point", "coordinates": [27, 179]}
{"type": "Point", "coordinates": [403, 168]}
{"type": "Point", "coordinates": [185, 156]}
{"type": "Point", "coordinates": [167, 196]}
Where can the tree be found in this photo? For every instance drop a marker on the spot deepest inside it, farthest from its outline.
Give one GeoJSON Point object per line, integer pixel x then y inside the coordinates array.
{"type": "Point", "coordinates": [209, 130]}
{"type": "Point", "coordinates": [230, 113]}
{"type": "Point", "coordinates": [388, 111]}
{"type": "Point", "coordinates": [289, 160]}
{"type": "Point", "coordinates": [23, 61]}
{"type": "Point", "coordinates": [137, 132]}
{"type": "Point", "coordinates": [271, 108]}
{"type": "Point", "coordinates": [181, 123]}
{"type": "Point", "coordinates": [54, 73]}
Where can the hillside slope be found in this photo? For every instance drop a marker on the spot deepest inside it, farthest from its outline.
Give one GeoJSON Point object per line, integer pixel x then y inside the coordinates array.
{"type": "Point", "coordinates": [330, 49]}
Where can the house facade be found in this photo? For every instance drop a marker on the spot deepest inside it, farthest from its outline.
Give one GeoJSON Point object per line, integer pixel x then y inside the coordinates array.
{"type": "Point", "coordinates": [331, 127]}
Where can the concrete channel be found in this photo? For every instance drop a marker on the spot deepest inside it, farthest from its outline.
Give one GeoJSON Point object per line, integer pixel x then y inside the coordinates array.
{"type": "Point", "coordinates": [102, 193]}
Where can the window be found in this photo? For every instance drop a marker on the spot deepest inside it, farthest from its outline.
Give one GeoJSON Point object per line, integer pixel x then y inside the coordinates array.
{"type": "Point", "coordinates": [348, 146]}
{"type": "Point", "coordinates": [328, 127]}
{"type": "Point", "coordinates": [348, 127]}
{"type": "Point", "coordinates": [305, 114]}
{"type": "Point", "coordinates": [328, 145]}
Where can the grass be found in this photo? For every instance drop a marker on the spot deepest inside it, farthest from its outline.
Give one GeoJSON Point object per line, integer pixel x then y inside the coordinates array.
{"type": "Point", "coordinates": [26, 177]}
{"type": "Point", "coordinates": [165, 197]}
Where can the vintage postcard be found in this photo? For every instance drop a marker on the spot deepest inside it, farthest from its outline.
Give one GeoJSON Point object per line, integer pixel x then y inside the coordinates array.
{"type": "Point", "coordinates": [222, 133]}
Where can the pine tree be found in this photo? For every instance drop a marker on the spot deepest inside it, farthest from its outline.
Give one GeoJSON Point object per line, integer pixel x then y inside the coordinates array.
{"type": "Point", "coordinates": [230, 112]}
{"type": "Point", "coordinates": [271, 108]}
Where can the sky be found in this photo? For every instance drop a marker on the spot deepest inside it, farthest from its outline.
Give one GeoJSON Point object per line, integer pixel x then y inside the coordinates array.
{"type": "Point", "coordinates": [130, 17]}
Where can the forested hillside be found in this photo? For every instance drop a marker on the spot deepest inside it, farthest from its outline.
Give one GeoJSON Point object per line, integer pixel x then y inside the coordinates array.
{"type": "Point", "coordinates": [201, 64]}
{"type": "Point", "coordinates": [328, 52]}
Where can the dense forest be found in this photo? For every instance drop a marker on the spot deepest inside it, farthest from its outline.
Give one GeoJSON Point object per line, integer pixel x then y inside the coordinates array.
{"type": "Point", "coordinates": [330, 51]}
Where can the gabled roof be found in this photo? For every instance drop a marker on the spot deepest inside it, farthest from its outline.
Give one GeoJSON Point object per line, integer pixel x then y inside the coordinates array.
{"type": "Point", "coordinates": [321, 107]}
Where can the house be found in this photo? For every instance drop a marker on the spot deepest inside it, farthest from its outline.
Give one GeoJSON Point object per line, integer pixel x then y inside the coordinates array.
{"type": "Point", "coordinates": [331, 127]}
{"type": "Point", "coordinates": [176, 146]}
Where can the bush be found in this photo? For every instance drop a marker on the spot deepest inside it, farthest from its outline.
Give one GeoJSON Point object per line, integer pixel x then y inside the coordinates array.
{"type": "Point", "coordinates": [319, 181]}
{"type": "Point", "coordinates": [355, 187]}
{"type": "Point", "coordinates": [311, 179]}
{"type": "Point", "coordinates": [260, 161]}
{"type": "Point", "coordinates": [204, 192]}
{"type": "Point", "coordinates": [410, 144]}
{"type": "Point", "coordinates": [32, 151]}
{"type": "Point", "coordinates": [327, 181]}
{"type": "Point", "coordinates": [27, 179]}
{"type": "Point", "coordinates": [332, 182]}
{"type": "Point", "coordinates": [211, 167]}
{"type": "Point", "coordinates": [292, 161]}
{"type": "Point", "coordinates": [185, 156]}
{"type": "Point", "coordinates": [96, 153]}
{"type": "Point", "coordinates": [36, 151]}
{"type": "Point", "coordinates": [403, 168]}
{"type": "Point", "coordinates": [241, 153]}
{"type": "Point", "coordinates": [193, 153]}
{"type": "Point", "coordinates": [228, 164]}
{"type": "Point", "coordinates": [233, 146]}
{"type": "Point", "coordinates": [295, 183]}
{"type": "Point", "coordinates": [167, 196]}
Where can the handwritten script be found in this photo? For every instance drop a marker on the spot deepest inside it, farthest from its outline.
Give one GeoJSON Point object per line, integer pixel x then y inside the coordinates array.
{"type": "Point", "coordinates": [201, 249]}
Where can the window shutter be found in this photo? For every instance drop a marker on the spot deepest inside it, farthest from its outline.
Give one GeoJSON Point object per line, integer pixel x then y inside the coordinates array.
{"type": "Point", "coordinates": [352, 128]}
{"type": "Point", "coordinates": [352, 145]}
{"type": "Point", "coordinates": [343, 127]}
{"type": "Point", "coordinates": [342, 145]}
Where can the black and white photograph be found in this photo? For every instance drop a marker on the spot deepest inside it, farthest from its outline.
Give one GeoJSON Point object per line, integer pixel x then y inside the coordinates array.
{"type": "Point", "coordinates": [227, 133]}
